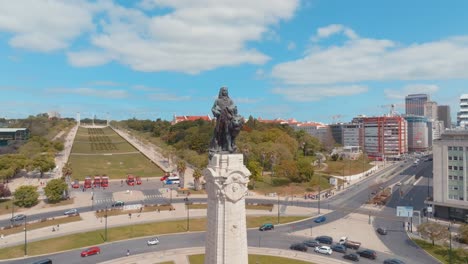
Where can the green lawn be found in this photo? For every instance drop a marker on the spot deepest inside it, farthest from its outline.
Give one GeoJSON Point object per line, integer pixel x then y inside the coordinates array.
{"type": "Point", "coordinates": [442, 253]}
{"type": "Point", "coordinates": [90, 238]}
{"type": "Point", "coordinates": [109, 145]}
{"type": "Point", "coordinates": [253, 259]}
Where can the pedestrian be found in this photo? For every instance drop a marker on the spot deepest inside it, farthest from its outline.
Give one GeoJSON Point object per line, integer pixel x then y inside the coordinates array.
{"type": "Point", "coordinates": [130, 215]}
{"type": "Point", "coordinates": [58, 227]}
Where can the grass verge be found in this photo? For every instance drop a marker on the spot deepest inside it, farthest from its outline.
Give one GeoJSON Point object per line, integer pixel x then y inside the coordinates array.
{"type": "Point", "coordinates": [85, 239]}
{"type": "Point", "coordinates": [37, 225]}
{"type": "Point", "coordinates": [253, 259]}
{"type": "Point", "coordinates": [441, 253]}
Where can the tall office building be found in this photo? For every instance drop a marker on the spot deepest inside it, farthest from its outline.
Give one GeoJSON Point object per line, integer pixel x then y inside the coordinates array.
{"type": "Point", "coordinates": [430, 110]}
{"type": "Point", "coordinates": [414, 104]}
{"type": "Point", "coordinates": [418, 133]}
{"type": "Point", "coordinates": [450, 175]}
{"type": "Point", "coordinates": [385, 137]}
{"type": "Point", "coordinates": [462, 117]}
{"type": "Point", "coordinates": [443, 114]}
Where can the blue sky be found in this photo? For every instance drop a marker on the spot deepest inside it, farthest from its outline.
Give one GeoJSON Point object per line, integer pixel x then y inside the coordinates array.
{"type": "Point", "coordinates": [304, 59]}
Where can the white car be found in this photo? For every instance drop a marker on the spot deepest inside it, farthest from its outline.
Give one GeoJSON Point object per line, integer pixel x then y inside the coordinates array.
{"type": "Point", "coordinates": [324, 250]}
{"type": "Point", "coordinates": [153, 241]}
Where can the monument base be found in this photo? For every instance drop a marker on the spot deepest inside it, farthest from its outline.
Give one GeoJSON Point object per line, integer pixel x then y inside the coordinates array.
{"type": "Point", "coordinates": [226, 184]}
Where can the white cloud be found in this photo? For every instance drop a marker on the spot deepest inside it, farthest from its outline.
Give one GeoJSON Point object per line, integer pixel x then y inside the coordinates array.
{"type": "Point", "coordinates": [169, 97]}
{"type": "Point", "coordinates": [308, 93]}
{"type": "Point", "coordinates": [44, 25]}
{"type": "Point", "coordinates": [363, 59]}
{"type": "Point", "coordinates": [410, 89]}
{"type": "Point", "coordinates": [325, 32]}
{"type": "Point", "coordinates": [113, 94]}
{"type": "Point", "coordinates": [194, 36]}
{"type": "Point", "coordinates": [291, 46]}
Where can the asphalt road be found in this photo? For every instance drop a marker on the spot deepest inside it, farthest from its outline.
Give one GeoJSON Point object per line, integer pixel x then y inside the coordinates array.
{"type": "Point", "coordinates": [343, 204]}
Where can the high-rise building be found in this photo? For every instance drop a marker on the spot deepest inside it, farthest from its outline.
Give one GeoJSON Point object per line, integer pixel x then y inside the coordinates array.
{"type": "Point", "coordinates": [418, 133]}
{"type": "Point", "coordinates": [450, 175]}
{"type": "Point", "coordinates": [430, 110]}
{"type": "Point", "coordinates": [353, 135]}
{"type": "Point", "coordinates": [462, 117]}
{"type": "Point", "coordinates": [337, 132]}
{"type": "Point", "coordinates": [385, 137]}
{"type": "Point", "coordinates": [414, 104]}
{"type": "Point", "coordinates": [443, 114]}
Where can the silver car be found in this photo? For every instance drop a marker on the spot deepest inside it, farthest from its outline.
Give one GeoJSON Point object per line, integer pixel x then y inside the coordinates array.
{"type": "Point", "coordinates": [153, 241]}
{"type": "Point", "coordinates": [71, 212]}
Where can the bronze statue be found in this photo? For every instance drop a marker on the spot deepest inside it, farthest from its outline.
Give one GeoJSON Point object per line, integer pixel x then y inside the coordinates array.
{"type": "Point", "coordinates": [228, 124]}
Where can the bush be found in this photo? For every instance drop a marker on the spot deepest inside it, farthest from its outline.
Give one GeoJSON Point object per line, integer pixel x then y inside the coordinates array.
{"type": "Point", "coordinates": [280, 181]}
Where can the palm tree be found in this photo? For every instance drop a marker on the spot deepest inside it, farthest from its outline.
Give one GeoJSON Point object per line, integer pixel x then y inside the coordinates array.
{"type": "Point", "coordinates": [181, 167]}
{"type": "Point", "coordinates": [67, 170]}
{"type": "Point", "coordinates": [197, 174]}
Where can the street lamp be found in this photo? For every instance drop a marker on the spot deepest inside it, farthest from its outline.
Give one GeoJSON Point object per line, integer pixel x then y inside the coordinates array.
{"type": "Point", "coordinates": [170, 193]}
{"type": "Point", "coordinates": [450, 239]}
{"type": "Point", "coordinates": [12, 207]}
{"type": "Point", "coordinates": [320, 177]}
{"type": "Point", "coordinates": [105, 228]}
{"type": "Point", "coordinates": [278, 208]}
{"type": "Point", "coordinates": [25, 237]}
{"type": "Point", "coordinates": [188, 214]}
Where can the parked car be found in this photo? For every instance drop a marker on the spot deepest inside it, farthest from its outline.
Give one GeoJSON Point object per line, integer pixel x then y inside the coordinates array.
{"type": "Point", "coordinates": [367, 253]}
{"type": "Point", "coordinates": [18, 217]}
{"type": "Point", "coordinates": [266, 227]}
{"type": "Point", "coordinates": [153, 241]}
{"type": "Point", "coordinates": [298, 247]}
{"type": "Point", "coordinates": [90, 251]}
{"type": "Point", "coordinates": [320, 219]}
{"type": "Point", "coordinates": [351, 256]}
{"type": "Point", "coordinates": [382, 231]}
{"type": "Point", "coordinates": [339, 248]}
{"type": "Point", "coordinates": [71, 212]}
{"type": "Point", "coordinates": [324, 240]}
{"type": "Point", "coordinates": [311, 243]}
{"type": "Point", "coordinates": [118, 203]}
{"type": "Point", "coordinates": [76, 184]}
{"type": "Point", "coordinates": [393, 261]}
{"type": "Point", "coordinates": [324, 250]}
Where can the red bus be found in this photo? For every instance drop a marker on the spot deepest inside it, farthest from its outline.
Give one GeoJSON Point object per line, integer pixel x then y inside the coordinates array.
{"type": "Point", "coordinates": [87, 182]}
{"type": "Point", "coordinates": [104, 181]}
{"type": "Point", "coordinates": [97, 181]}
{"type": "Point", "coordinates": [131, 180]}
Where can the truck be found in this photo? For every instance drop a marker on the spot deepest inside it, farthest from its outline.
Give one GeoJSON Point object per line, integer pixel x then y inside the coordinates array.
{"type": "Point", "coordinates": [97, 181]}
{"type": "Point", "coordinates": [138, 180]}
{"type": "Point", "coordinates": [130, 180]}
{"type": "Point", "coordinates": [349, 244]}
{"type": "Point", "coordinates": [104, 181]}
{"type": "Point", "coordinates": [87, 182]}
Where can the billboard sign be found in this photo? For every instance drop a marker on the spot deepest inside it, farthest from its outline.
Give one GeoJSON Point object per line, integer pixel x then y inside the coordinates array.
{"type": "Point", "coordinates": [404, 211]}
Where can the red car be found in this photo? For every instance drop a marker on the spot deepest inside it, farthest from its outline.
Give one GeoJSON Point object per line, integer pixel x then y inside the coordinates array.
{"type": "Point", "coordinates": [138, 180]}
{"type": "Point", "coordinates": [90, 251]}
{"type": "Point", "coordinates": [76, 184]}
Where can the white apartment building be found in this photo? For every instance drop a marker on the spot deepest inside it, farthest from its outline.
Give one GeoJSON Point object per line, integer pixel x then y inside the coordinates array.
{"type": "Point", "coordinates": [462, 117]}
{"type": "Point", "coordinates": [450, 178]}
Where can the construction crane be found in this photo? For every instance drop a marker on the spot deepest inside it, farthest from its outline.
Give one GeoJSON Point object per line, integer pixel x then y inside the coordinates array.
{"type": "Point", "coordinates": [336, 118]}
{"type": "Point", "coordinates": [393, 112]}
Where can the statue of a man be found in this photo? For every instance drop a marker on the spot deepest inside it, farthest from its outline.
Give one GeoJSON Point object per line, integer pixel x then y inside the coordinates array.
{"type": "Point", "coordinates": [228, 123]}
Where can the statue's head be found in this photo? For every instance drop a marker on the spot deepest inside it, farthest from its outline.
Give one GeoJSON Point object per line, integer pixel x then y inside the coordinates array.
{"type": "Point", "coordinates": [223, 91]}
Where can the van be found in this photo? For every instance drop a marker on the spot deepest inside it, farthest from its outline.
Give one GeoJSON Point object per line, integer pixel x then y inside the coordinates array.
{"type": "Point", "coordinates": [43, 261]}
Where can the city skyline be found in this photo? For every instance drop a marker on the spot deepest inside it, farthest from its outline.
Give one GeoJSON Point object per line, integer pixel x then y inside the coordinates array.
{"type": "Point", "coordinates": [308, 60]}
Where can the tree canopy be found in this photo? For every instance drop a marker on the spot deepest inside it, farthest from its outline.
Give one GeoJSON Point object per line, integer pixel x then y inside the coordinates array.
{"type": "Point", "coordinates": [54, 190]}
{"type": "Point", "coordinates": [26, 196]}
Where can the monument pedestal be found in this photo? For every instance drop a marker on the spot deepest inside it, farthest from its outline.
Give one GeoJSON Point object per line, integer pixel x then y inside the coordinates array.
{"type": "Point", "coordinates": [226, 184]}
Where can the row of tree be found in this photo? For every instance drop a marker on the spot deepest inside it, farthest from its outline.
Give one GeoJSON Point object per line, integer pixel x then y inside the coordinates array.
{"type": "Point", "coordinates": [266, 147]}
{"type": "Point", "coordinates": [28, 196]}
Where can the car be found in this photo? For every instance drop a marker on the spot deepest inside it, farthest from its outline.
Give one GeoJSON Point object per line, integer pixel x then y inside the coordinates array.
{"type": "Point", "coordinates": [351, 256]}
{"type": "Point", "coordinates": [118, 203]}
{"type": "Point", "coordinates": [381, 231]}
{"type": "Point", "coordinates": [398, 184]}
{"type": "Point", "coordinates": [311, 243]}
{"type": "Point", "coordinates": [266, 227]}
{"type": "Point", "coordinates": [393, 261]}
{"type": "Point", "coordinates": [76, 184]}
{"type": "Point", "coordinates": [339, 248]}
{"type": "Point", "coordinates": [153, 241]}
{"type": "Point", "coordinates": [367, 253]}
{"type": "Point", "coordinates": [324, 240]}
{"type": "Point", "coordinates": [71, 212]}
{"type": "Point", "coordinates": [163, 178]}
{"type": "Point", "coordinates": [324, 250]}
{"type": "Point", "coordinates": [320, 219]}
{"type": "Point", "coordinates": [90, 251]}
{"type": "Point", "coordinates": [43, 261]}
{"type": "Point", "coordinates": [18, 217]}
{"type": "Point", "coordinates": [298, 247]}
{"type": "Point", "coordinates": [168, 182]}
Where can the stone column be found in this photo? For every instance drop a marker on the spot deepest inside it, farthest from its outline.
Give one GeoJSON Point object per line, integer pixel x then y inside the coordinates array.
{"type": "Point", "coordinates": [226, 184]}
